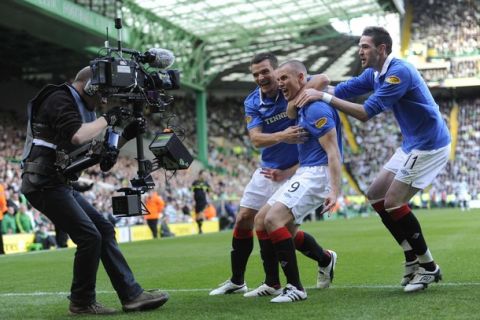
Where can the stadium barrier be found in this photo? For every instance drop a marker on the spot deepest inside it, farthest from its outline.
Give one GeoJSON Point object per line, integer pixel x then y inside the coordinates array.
{"type": "Point", "coordinates": [15, 243]}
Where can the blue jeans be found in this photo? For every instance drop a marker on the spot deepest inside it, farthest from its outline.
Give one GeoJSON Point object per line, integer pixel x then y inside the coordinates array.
{"type": "Point", "coordinates": [95, 239]}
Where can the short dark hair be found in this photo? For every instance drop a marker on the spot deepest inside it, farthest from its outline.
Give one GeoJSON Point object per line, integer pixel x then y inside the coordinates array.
{"type": "Point", "coordinates": [379, 36]}
{"type": "Point", "coordinates": [259, 57]}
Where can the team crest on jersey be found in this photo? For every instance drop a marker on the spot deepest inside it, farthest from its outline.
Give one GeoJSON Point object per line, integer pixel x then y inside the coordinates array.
{"type": "Point", "coordinates": [393, 80]}
{"type": "Point", "coordinates": [320, 122]}
{"type": "Point", "coordinates": [248, 119]}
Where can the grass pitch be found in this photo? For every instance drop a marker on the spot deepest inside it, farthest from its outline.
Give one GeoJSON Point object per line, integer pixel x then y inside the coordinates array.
{"type": "Point", "coordinates": [35, 285]}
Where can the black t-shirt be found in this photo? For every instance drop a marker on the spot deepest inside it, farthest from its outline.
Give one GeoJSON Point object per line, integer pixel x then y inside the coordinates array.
{"type": "Point", "coordinates": [60, 114]}
{"type": "Point", "coordinates": [200, 189]}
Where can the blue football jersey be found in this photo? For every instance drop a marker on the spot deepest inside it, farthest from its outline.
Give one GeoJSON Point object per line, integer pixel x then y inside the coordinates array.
{"type": "Point", "coordinates": [271, 116]}
{"type": "Point", "coordinates": [401, 89]}
{"type": "Point", "coordinates": [317, 118]}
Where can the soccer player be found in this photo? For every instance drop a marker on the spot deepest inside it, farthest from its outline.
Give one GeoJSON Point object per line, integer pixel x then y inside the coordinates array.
{"type": "Point", "coordinates": [316, 181]}
{"type": "Point", "coordinates": [269, 129]}
{"type": "Point", "coordinates": [397, 86]}
{"type": "Point", "coordinates": [200, 188]}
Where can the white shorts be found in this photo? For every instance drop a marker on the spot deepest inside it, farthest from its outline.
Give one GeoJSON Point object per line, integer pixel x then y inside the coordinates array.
{"type": "Point", "coordinates": [258, 191]}
{"type": "Point", "coordinates": [304, 192]}
{"type": "Point", "coordinates": [419, 167]}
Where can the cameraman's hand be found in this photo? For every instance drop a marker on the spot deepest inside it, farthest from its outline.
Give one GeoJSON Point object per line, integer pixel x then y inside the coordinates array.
{"type": "Point", "coordinates": [137, 126]}
{"type": "Point", "coordinates": [116, 115]}
{"type": "Point", "coordinates": [108, 158]}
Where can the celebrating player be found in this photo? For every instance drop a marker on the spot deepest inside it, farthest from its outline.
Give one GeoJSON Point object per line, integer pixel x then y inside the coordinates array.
{"type": "Point", "coordinates": [397, 86]}
{"type": "Point", "coordinates": [316, 181]}
{"type": "Point", "coordinates": [269, 129]}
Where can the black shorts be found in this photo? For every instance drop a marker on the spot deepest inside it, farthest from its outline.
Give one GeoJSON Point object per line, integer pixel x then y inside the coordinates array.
{"type": "Point", "coordinates": [199, 207]}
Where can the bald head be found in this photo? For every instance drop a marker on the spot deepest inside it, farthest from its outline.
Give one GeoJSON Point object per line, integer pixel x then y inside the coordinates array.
{"type": "Point", "coordinates": [295, 67]}
{"type": "Point", "coordinates": [83, 75]}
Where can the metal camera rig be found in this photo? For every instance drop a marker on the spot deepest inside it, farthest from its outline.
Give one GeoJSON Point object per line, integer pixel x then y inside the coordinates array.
{"type": "Point", "coordinates": [127, 79]}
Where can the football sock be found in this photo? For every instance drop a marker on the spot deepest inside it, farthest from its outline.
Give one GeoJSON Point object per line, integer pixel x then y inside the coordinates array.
{"type": "Point", "coordinates": [426, 261]}
{"type": "Point", "coordinates": [413, 231]}
{"type": "Point", "coordinates": [407, 250]}
{"type": "Point", "coordinates": [199, 224]}
{"type": "Point", "coordinates": [269, 259]}
{"type": "Point", "coordinates": [307, 245]}
{"type": "Point", "coordinates": [285, 249]}
{"type": "Point", "coordinates": [242, 246]}
{"type": "Point", "coordinates": [395, 230]}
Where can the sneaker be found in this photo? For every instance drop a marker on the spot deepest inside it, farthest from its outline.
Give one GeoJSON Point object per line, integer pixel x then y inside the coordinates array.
{"type": "Point", "coordinates": [411, 269]}
{"type": "Point", "coordinates": [147, 300]}
{"type": "Point", "coordinates": [229, 287]}
{"type": "Point", "coordinates": [423, 278]}
{"type": "Point", "coordinates": [325, 274]}
{"type": "Point", "coordinates": [262, 291]}
{"type": "Point", "coordinates": [94, 308]}
{"type": "Point", "coordinates": [290, 294]}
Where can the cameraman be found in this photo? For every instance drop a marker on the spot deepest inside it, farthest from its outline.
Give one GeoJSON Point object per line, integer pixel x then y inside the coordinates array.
{"type": "Point", "coordinates": [62, 118]}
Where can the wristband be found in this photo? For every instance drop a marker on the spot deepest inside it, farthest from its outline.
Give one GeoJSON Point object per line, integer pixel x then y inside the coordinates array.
{"type": "Point", "coordinates": [327, 97]}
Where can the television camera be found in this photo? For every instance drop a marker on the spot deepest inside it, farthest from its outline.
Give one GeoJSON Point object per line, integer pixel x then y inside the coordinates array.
{"type": "Point", "coordinates": [115, 75]}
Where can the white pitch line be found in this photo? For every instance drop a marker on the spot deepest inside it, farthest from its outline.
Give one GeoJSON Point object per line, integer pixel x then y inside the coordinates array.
{"type": "Point", "coordinates": [380, 286]}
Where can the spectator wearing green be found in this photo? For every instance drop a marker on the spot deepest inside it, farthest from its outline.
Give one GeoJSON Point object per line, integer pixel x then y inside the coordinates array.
{"type": "Point", "coordinates": [9, 225]}
{"type": "Point", "coordinates": [23, 220]}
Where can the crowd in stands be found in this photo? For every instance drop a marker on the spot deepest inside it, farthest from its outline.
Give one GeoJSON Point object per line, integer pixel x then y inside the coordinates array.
{"type": "Point", "coordinates": [231, 162]}
{"type": "Point", "coordinates": [450, 32]}
{"type": "Point", "coordinates": [450, 29]}
{"type": "Point", "coordinates": [466, 166]}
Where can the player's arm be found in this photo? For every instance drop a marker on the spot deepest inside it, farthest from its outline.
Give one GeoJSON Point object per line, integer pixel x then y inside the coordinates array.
{"type": "Point", "coordinates": [334, 95]}
{"type": "Point", "coordinates": [292, 134]}
{"type": "Point", "coordinates": [316, 82]}
{"type": "Point", "coordinates": [329, 143]}
{"type": "Point", "coordinates": [397, 81]}
{"type": "Point", "coordinates": [279, 174]}
{"type": "Point", "coordinates": [355, 110]}
{"type": "Point", "coordinates": [352, 109]}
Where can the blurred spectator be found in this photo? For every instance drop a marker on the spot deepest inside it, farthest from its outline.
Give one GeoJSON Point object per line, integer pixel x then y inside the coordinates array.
{"type": "Point", "coordinates": [23, 220]}
{"type": "Point", "coordinates": [165, 231]}
{"type": "Point", "coordinates": [42, 237]}
{"type": "Point", "coordinates": [155, 206]}
{"type": "Point", "coordinates": [462, 194]}
{"type": "Point", "coordinates": [3, 209]}
{"type": "Point", "coordinates": [9, 224]}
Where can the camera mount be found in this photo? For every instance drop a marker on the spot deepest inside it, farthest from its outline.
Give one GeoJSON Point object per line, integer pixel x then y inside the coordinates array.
{"type": "Point", "coordinates": [116, 75]}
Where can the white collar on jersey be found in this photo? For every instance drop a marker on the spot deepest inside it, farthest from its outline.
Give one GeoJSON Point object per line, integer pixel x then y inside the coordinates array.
{"type": "Point", "coordinates": [385, 66]}
{"type": "Point", "coordinates": [261, 95]}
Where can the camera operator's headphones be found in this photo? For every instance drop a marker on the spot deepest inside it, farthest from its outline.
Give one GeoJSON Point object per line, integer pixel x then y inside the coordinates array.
{"type": "Point", "coordinates": [90, 89]}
